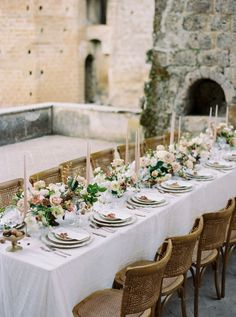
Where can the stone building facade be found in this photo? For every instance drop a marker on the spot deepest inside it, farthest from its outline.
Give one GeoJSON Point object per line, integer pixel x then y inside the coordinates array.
{"type": "Point", "coordinates": [195, 47]}
{"type": "Point", "coordinates": [74, 51]}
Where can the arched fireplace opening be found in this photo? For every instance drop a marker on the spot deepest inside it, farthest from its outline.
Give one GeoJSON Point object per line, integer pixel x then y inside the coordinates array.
{"type": "Point", "coordinates": [203, 94]}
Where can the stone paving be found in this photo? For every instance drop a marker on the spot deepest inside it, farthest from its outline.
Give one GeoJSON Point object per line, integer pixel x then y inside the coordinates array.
{"type": "Point", "coordinates": [209, 306]}
{"type": "Point", "coordinates": [43, 153]}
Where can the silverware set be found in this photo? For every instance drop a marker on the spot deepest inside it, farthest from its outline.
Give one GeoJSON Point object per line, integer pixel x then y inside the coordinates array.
{"type": "Point", "coordinates": [55, 251]}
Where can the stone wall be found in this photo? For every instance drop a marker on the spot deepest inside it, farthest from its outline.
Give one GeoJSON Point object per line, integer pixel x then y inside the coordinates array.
{"type": "Point", "coordinates": [75, 120]}
{"type": "Point", "coordinates": [44, 45]}
{"type": "Point", "coordinates": [193, 40]}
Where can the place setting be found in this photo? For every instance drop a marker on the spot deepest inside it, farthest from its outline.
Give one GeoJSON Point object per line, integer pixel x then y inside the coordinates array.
{"type": "Point", "coordinates": [219, 165]}
{"type": "Point", "coordinates": [66, 238]}
{"type": "Point", "coordinates": [112, 218]}
{"type": "Point", "coordinates": [230, 157]}
{"type": "Point", "coordinates": [199, 175]}
{"type": "Point", "coordinates": [146, 200]}
{"type": "Point", "coordinates": [175, 187]}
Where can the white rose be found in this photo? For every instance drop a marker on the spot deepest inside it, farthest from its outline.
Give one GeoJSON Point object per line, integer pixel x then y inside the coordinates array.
{"type": "Point", "coordinates": [160, 148]}
{"type": "Point", "coordinates": [40, 184]}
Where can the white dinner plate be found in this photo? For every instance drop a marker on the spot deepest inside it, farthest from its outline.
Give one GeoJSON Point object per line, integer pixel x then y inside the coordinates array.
{"type": "Point", "coordinates": [101, 223]}
{"type": "Point", "coordinates": [138, 204]}
{"type": "Point", "coordinates": [99, 217]}
{"type": "Point", "coordinates": [72, 234]}
{"type": "Point", "coordinates": [52, 237]}
{"type": "Point", "coordinates": [46, 241]}
{"type": "Point", "coordinates": [219, 165]}
{"type": "Point", "coordinates": [117, 215]}
{"type": "Point", "coordinates": [176, 185]}
{"type": "Point", "coordinates": [148, 198]}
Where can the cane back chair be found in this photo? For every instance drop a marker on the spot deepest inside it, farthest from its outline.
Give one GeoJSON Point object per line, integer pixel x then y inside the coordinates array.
{"type": "Point", "coordinates": [102, 159]}
{"type": "Point", "coordinates": [138, 298]}
{"type": "Point", "coordinates": [176, 269]}
{"type": "Point", "coordinates": [207, 250]}
{"type": "Point", "coordinates": [73, 168]}
{"type": "Point", "coordinates": [8, 190]}
{"type": "Point", "coordinates": [52, 175]}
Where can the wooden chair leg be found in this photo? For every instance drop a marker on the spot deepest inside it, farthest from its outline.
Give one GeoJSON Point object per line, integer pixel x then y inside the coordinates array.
{"type": "Point", "coordinates": [196, 291]}
{"type": "Point", "coordinates": [182, 294]}
{"type": "Point", "coordinates": [158, 308]}
{"type": "Point", "coordinates": [224, 266]}
{"type": "Point", "coordinates": [216, 275]}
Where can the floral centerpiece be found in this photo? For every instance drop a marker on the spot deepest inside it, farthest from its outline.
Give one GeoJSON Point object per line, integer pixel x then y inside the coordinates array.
{"type": "Point", "coordinates": [198, 147]}
{"type": "Point", "coordinates": [158, 166]}
{"type": "Point", "coordinates": [227, 133]}
{"type": "Point", "coordinates": [183, 157]}
{"type": "Point", "coordinates": [86, 194]}
{"type": "Point", "coordinates": [117, 179]}
{"type": "Point", "coordinates": [44, 202]}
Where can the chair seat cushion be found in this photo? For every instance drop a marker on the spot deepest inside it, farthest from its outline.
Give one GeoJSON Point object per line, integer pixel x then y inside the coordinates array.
{"type": "Point", "coordinates": [106, 303]}
{"type": "Point", "coordinates": [207, 256]}
{"type": "Point", "coordinates": [120, 275]}
{"type": "Point", "coordinates": [170, 284]}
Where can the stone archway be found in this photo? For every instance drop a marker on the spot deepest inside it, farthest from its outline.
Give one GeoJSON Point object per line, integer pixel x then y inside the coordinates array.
{"type": "Point", "coordinates": [204, 94]}
{"type": "Point", "coordinates": [182, 98]}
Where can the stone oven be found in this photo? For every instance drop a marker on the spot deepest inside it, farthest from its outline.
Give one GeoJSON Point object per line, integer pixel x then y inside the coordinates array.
{"type": "Point", "coordinates": [195, 41]}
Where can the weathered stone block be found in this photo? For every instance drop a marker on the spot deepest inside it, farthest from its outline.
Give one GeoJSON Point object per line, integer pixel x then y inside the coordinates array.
{"type": "Point", "coordinates": [183, 58]}
{"type": "Point", "coordinates": [200, 41]}
{"type": "Point", "coordinates": [207, 58]}
{"type": "Point", "coordinates": [225, 40]}
{"type": "Point", "coordinates": [233, 28]}
{"type": "Point", "coordinates": [195, 22]}
{"type": "Point", "coordinates": [220, 23]}
{"type": "Point", "coordinates": [225, 6]}
{"type": "Point", "coordinates": [200, 6]}
{"type": "Point", "coordinates": [178, 6]}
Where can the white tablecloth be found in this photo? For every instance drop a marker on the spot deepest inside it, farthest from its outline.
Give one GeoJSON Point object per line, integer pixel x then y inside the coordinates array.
{"type": "Point", "coordinates": [35, 283]}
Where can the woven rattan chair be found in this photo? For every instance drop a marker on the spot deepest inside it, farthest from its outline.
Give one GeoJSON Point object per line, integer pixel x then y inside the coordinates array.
{"type": "Point", "coordinates": [138, 297]}
{"type": "Point", "coordinates": [121, 150]}
{"type": "Point", "coordinates": [167, 138]}
{"type": "Point", "coordinates": [73, 168]}
{"type": "Point", "coordinates": [176, 269]}
{"type": "Point", "coordinates": [229, 243]}
{"type": "Point", "coordinates": [152, 143]}
{"type": "Point", "coordinates": [208, 249]}
{"type": "Point", "coordinates": [8, 190]}
{"type": "Point", "coordinates": [102, 159]}
{"type": "Point", "coordinates": [52, 175]}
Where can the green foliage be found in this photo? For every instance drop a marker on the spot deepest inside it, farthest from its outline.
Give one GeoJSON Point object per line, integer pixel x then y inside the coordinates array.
{"type": "Point", "coordinates": [93, 191]}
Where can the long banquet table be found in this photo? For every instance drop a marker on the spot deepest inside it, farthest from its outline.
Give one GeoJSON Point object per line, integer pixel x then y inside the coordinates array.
{"type": "Point", "coordinates": [40, 284]}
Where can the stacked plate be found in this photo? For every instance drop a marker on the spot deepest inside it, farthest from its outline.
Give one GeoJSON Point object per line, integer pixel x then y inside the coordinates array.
{"type": "Point", "coordinates": [219, 165]}
{"type": "Point", "coordinates": [174, 186]}
{"type": "Point", "coordinates": [200, 175]}
{"type": "Point", "coordinates": [231, 157]}
{"type": "Point", "coordinates": [112, 218]}
{"type": "Point", "coordinates": [67, 238]}
{"type": "Point", "coordinates": [146, 200]}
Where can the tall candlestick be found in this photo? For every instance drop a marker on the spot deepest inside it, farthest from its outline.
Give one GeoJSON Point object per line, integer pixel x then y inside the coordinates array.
{"type": "Point", "coordinates": [172, 128]}
{"type": "Point", "coordinates": [138, 150]}
{"type": "Point", "coordinates": [88, 164]}
{"type": "Point", "coordinates": [25, 189]}
{"type": "Point", "coordinates": [136, 153]}
{"type": "Point", "coordinates": [179, 130]}
{"type": "Point", "coordinates": [127, 147]}
{"type": "Point", "coordinates": [216, 119]}
{"type": "Point", "coordinates": [209, 119]}
{"type": "Point", "coordinates": [227, 116]}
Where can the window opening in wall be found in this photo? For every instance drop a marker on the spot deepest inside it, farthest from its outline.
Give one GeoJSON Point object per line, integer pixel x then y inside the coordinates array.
{"type": "Point", "coordinates": [97, 11]}
{"type": "Point", "coordinates": [203, 94]}
{"type": "Point", "coordinates": [89, 80]}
